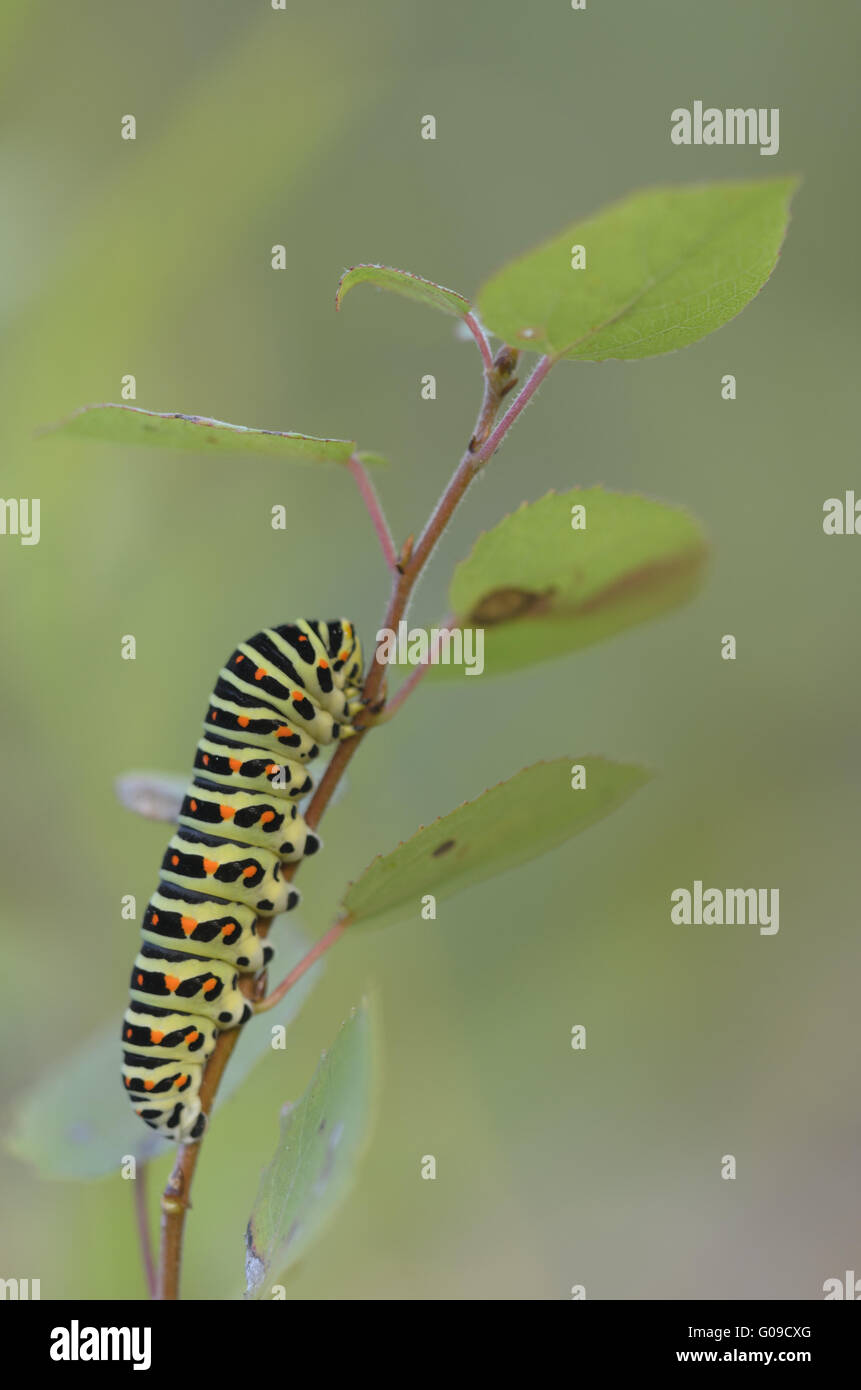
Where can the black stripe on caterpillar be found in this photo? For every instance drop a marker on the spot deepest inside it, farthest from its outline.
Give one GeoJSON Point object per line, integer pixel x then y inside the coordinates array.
{"type": "Point", "coordinates": [282, 693]}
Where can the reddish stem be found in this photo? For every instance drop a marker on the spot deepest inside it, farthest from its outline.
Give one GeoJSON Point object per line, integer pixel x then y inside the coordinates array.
{"type": "Point", "coordinates": [374, 509]}
{"type": "Point", "coordinates": [521, 401]}
{"type": "Point", "coordinates": [412, 681]}
{"type": "Point", "coordinates": [317, 950]}
{"type": "Point", "coordinates": [480, 337]}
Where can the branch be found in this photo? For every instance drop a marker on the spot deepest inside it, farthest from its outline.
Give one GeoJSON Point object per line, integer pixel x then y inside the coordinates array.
{"type": "Point", "coordinates": [496, 437]}
{"type": "Point", "coordinates": [480, 337]}
{"type": "Point", "coordinates": [317, 950]}
{"type": "Point", "coordinates": [375, 511]}
{"type": "Point", "coordinates": [498, 381]}
{"type": "Point", "coordinates": [412, 681]}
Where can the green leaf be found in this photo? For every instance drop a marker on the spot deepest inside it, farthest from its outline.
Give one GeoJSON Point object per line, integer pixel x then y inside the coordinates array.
{"type": "Point", "coordinates": [540, 589]}
{"type": "Point", "coordinates": [128, 424]}
{"type": "Point", "coordinates": [664, 267]}
{"type": "Point", "coordinates": [76, 1121]}
{"type": "Point", "coordinates": [402, 282]}
{"type": "Point", "coordinates": [516, 821]}
{"type": "Point", "coordinates": [321, 1142]}
{"type": "Point", "coordinates": [155, 795]}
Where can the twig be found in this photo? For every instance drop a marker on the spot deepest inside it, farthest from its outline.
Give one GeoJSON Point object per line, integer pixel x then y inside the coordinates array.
{"type": "Point", "coordinates": [142, 1217]}
{"type": "Point", "coordinates": [375, 511]}
{"type": "Point", "coordinates": [480, 337]}
{"type": "Point", "coordinates": [497, 435]}
{"type": "Point", "coordinates": [317, 950]}
{"type": "Point", "coordinates": [412, 681]}
{"type": "Point", "coordinates": [498, 381]}
{"type": "Point", "coordinates": [175, 1199]}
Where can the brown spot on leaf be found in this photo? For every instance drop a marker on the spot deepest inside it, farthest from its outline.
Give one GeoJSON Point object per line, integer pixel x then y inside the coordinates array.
{"type": "Point", "coordinates": [443, 848]}
{"type": "Point", "coordinates": [502, 605]}
{"type": "Point", "coordinates": [648, 580]}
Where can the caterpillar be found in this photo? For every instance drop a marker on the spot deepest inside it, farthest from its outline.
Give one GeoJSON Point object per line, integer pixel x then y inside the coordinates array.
{"type": "Point", "coordinates": [280, 695]}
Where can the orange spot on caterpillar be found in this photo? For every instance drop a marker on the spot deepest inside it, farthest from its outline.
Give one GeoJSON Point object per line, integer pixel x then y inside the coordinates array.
{"type": "Point", "coordinates": [140, 979]}
{"type": "Point", "coordinates": [259, 673]}
{"type": "Point", "coordinates": [322, 665]}
{"type": "Point", "coordinates": [171, 982]}
{"type": "Point", "coordinates": [239, 657]}
{"type": "Point", "coordinates": [266, 817]}
{"type": "Point", "coordinates": [174, 859]}
{"type": "Point", "coordinates": [284, 731]}
{"type": "Point", "coordinates": [148, 1085]}
{"type": "Point", "coordinates": [342, 656]}
{"type": "Point", "coordinates": [127, 1080]}
{"type": "Point", "coordinates": [227, 929]}
{"type": "Point", "coordinates": [272, 768]}
{"type": "Point", "coordinates": [180, 1081]}
{"type": "Point", "coordinates": [188, 924]}
{"type": "Point", "coordinates": [227, 812]}
{"type": "Point", "coordinates": [193, 805]}
{"type": "Point", "coordinates": [249, 872]}
{"type": "Point", "coordinates": [206, 760]}
{"type": "Point", "coordinates": [242, 720]}
{"type": "Point", "coordinates": [128, 1032]}
{"type": "Point", "coordinates": [155, 1035]}
{"type": "Point", "coordinates": [193, 1036]}
{"type": "Point", "coordinates": [210, 865]}
{"type": "Point", "coordinates": [154, 919]}
{"type": "Point", "coordinates": [209, 986]}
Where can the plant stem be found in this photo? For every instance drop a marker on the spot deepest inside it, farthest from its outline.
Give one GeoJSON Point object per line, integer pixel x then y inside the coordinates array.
{"type": "Point", "coordinates": [480, 337]}
{"type": "Point", "coordinates": [412, 681]}
{"type": "Point", "coordinates": [498, 380]}
{"type": "Point", "coordinates": [375, 510]}
{"type": "Point", "coordinates": [522, 400]}
{"type": "Point", "coordinates": [142, 1217]}
{"type": "Point", "coordinates": [318, 949]}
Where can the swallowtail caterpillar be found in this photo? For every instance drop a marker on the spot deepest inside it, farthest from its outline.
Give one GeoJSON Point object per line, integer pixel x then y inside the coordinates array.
{"type": "Point", "coordinates": [282, 693]}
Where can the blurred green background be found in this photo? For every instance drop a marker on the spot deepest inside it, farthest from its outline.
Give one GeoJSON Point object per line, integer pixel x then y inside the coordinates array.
{"type": "Point", "coordinates": [256, 127]}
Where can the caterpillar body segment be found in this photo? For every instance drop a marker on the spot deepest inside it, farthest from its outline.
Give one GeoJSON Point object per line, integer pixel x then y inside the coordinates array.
{"type": "Point", "coordinates": [223, 930]}
{"type": "Point", "coordinates": [281, 695]}
{"type": "Point", "coordinates": [207, 987]}
{"type": "Point", "coordinates": [228, 869]}
{"type": "Point", "coordinates": [230, 765]}
{"type": "Point", "coordinates": [164, 1033]}
{"type": "Point", "coordinates": [260, 819]}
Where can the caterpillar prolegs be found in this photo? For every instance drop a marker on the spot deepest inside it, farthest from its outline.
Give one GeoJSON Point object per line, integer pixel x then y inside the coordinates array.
{"type": "Point", "coordinates": [282, 693]}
